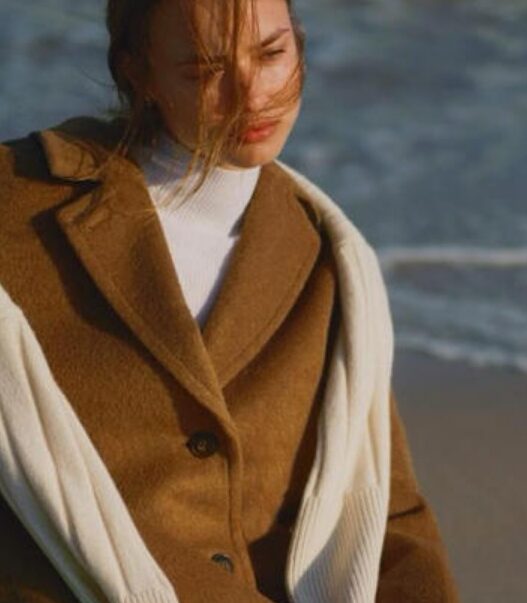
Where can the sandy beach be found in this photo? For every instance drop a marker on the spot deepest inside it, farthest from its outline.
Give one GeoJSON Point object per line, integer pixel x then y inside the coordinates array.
{"type": "Point", "coordinates": [466, 426]}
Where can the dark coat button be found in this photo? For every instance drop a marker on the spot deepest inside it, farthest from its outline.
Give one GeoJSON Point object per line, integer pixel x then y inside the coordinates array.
{"type": "Point", "coordinates": [223, 560]}
{"type": "Point", "coordinates": [203, 444]}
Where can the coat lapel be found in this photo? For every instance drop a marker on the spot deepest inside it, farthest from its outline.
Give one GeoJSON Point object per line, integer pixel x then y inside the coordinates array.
{"type": "Point", "coordinates": [116, 235]}
{"type": "Point", "coordinates": [271, 262]}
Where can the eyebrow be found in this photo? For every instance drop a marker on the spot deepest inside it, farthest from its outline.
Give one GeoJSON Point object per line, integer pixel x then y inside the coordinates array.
{"type": "Point", "coordinates": [194, 60]}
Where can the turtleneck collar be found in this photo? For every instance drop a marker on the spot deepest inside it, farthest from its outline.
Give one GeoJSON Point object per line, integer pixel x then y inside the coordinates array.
{"type": "Point", "coordinates": [220, 201]}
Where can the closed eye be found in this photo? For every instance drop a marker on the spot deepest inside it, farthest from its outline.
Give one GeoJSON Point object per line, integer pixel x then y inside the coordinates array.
{"type": "Point", "coordinates": [218, 68]}
{"type": "Point", "coordinates": [273, 53]}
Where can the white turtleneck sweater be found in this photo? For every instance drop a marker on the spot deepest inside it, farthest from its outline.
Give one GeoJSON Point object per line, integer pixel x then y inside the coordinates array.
{"type": "Point", "coordinates": [202, 228]}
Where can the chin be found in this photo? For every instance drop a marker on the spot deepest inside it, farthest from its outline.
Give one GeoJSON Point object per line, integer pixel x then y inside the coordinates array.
{"type": "Point", "coordinates": [254, 154]}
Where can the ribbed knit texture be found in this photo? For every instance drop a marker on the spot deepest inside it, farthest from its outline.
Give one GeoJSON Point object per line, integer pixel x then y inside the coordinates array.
{"type": "Point", "coordinates": [200, 228]}
{"type": "Point", "coordinates": [337, 542]}
{"type": "Point", "coordinates": [54, 480]}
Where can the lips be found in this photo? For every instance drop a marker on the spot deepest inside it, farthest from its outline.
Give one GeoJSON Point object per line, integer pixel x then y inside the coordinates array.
{"type": "Point", "coordinates": [259, 131]}
{"type": "Point", "coordinates": [260, 126]}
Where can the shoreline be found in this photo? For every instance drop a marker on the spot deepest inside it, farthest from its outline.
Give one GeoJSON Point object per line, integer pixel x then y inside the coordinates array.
{"type": "Point", "coordinates": [466, 429]}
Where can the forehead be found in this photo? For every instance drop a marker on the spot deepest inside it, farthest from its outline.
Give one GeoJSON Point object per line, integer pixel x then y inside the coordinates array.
{"type": "Point", "coordinates": [170, 27]}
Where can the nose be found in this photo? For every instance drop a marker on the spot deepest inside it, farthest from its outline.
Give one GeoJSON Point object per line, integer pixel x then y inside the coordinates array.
{"type": "Point", "coordinates": [252, 85]}
{"type": "Point", "coordinates": [253, 89]}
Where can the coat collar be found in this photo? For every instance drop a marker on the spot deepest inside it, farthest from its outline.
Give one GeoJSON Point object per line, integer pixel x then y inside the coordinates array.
{"type": "Point", "coordinates": [117, 236]}
{"type": "Point", "coordinates": [77, 149]}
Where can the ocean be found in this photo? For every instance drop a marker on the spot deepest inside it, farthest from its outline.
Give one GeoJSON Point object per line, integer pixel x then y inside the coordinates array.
{"type": "Point", "coordinates": [414, 119]}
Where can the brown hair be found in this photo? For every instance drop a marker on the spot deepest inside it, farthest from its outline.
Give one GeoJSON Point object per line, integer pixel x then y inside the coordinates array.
{"type": "Point", "coordinates": [128, 23]}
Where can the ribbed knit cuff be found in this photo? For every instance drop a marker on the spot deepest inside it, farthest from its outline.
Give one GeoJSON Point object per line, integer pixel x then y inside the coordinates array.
{"type": "Point", "coordinates": [343, 565]}
{"type": "Point", "coordinates": [151, 596]}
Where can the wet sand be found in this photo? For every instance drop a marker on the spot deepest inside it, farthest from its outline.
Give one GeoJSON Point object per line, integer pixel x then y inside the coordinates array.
{"type": "Point", "coordinates": [467, 428]}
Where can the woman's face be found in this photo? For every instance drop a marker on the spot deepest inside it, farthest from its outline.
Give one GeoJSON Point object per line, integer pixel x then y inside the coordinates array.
{"type": "Point", "coordinates": [174, 77]}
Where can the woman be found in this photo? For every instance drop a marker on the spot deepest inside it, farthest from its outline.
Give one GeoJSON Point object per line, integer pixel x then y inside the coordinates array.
{"type": "Point", "coordinates": [221, 332]}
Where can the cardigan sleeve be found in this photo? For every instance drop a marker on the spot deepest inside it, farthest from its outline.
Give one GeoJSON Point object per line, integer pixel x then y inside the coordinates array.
{"type": "Point", "coordinates": [414, 563]}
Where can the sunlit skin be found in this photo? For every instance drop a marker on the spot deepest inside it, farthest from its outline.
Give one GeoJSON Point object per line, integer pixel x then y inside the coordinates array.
{"type": "Point", "coordinates": [266, 65]}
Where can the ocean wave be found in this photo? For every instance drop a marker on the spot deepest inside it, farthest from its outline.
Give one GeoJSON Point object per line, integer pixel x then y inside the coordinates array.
{"type": "Point", "coordinates": [445, 349]}
{"type": "Point", "coordinates": [82, 11]}
{"type": "Point", "coordinates": [392, 257]}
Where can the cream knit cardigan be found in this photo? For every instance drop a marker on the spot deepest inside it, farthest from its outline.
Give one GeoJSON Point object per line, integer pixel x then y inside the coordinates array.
{"type": "Point", "coordinates": [54, 480]}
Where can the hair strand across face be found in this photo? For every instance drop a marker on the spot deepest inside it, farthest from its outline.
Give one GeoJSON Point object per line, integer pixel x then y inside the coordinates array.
{"type": "Point", "coordinates": [128, 23]}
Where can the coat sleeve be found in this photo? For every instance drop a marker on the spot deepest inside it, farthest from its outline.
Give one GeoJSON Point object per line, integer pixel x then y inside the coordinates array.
{"type": "Point", "coordinates": [414, 563]}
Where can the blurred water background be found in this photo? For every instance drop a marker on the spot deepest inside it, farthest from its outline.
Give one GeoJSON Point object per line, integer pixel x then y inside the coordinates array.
{"type": "Point", "coordinates": [414, 120]}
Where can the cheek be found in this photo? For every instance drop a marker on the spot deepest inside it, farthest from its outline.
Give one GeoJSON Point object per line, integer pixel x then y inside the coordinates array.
{"type": "Point", "coordinates": [180, 100]}
{"type": "Point", "coordinates": [279, 75]}
{"type": "Point", "coordinates": [171, 89]}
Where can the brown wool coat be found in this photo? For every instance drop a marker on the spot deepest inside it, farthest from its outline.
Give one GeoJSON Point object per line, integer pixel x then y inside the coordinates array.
{"type": "Point", "coordinates": [84, 256]}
